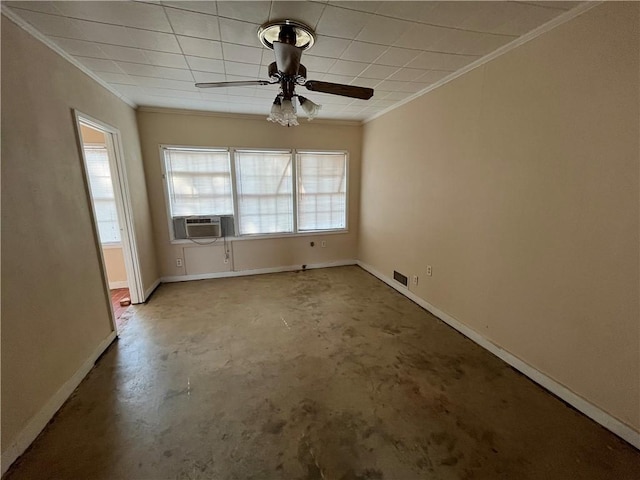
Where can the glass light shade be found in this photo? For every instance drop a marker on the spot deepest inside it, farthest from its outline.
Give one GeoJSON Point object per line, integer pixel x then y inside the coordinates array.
{"type": "Point", "coordinates": [310, 108]}
{"type": "Point", "coordinates": [289, 118]}
{"type": "Point", "coordinates": [276, 111]}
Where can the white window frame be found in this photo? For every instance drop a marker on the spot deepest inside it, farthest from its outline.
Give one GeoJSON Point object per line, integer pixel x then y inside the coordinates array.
{"type": "Point", "coordinates": [294, 179]}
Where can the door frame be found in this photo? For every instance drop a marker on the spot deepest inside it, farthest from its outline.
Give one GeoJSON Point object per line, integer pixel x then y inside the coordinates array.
{"type": "Point", "coordinates": [122, 195]}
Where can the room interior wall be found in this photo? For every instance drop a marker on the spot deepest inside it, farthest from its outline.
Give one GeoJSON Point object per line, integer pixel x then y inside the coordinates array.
{"type": "Point", "coordinates": [114, 265]}
{"type": "Point", "coordinates": [518, 183]}
{"type": "Point", "coordinates": [166, 127]}
{"type": "Point", "coordinates": [55, 310]}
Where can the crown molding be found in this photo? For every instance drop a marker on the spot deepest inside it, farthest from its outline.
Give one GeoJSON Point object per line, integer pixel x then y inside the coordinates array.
{"type": "Point", "coordinates": [243, 116]}
{"type": "Point", "coordinates": [27, 27]}
{"type": "Point", "coordinates": [544, 28]}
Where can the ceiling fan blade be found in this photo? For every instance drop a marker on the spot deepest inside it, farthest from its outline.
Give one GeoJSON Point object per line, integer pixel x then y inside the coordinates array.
{"type": "Point", "coordinates": [353, 91]}
{"type": "Point", "coordinates": [244, 83]}
{"type": "Point", "coordinates": [287, 58]}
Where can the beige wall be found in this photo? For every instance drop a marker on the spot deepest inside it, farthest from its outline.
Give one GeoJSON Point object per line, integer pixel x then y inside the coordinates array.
{"type": "Point", "coordinates": [172, 128]}
{"type": "Point", "coordinates": [518, 183]}
{"type": "Point", "coordinates": [54, 303]}
{"type": "Point", "coordinates": [114, 264]}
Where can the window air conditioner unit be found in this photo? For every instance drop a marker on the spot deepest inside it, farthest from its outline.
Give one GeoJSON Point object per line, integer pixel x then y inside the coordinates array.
{"type": "Point", "coordinates": [202, 227]}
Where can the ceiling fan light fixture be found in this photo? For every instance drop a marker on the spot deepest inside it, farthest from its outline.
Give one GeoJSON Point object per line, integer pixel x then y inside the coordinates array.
{"type": "Point", "coordinates": [310, 108]}
{"type": "Point", "coordinates": [289, 117]}
{"type": "Point", "coordinates": [276, 111]}
{"type": "Point", "coordinates": [299, 34]}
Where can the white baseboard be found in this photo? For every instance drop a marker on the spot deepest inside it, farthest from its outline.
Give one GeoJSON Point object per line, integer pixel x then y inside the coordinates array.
{"type": "Point", "coordinates": [259, 271]}
{"type": "Point", "coordinates": [609, 422]}
{"type": "Point", "coordinates": [46, 413]}
{"type": "Point", "coordinates": [121, 284]}
{"type": "Point", "coordinates": [149, 291]}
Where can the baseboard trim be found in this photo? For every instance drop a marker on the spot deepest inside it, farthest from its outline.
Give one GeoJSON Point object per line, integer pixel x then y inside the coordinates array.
{"type": "Point", "coordinates": [609, 422]}
{"type": "Point", "coordinates": [259, 271]}
{"type": "Point", "coordinates": [120, 284]}
{"type": "Point", "coordinates": [150, 290]}
{"type": "Point", "coordinates": [40, 420]}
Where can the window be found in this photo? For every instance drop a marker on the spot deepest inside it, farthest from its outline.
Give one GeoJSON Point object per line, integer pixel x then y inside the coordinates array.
{"type": "Point", "coordinates": [102, 192]}
{"type": "Point", "coordinates": [265, 195]}
{"type": "Point", "coordinates": [322, 191]}
{"type": "Point", "coordinates": [199, 181]}
{"type": "Point", "coordinates": [267, 191]}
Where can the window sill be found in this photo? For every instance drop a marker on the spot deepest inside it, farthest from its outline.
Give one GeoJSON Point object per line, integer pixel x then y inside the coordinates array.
{"type": "Point", "coordinates": [269, 236]}
{"type": "Point", "coordinates": [111, 245]}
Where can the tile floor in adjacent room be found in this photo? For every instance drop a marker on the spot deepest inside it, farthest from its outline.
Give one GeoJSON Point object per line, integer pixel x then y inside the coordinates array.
{"type": "Point", "coordinates": [120, 312]}
{"type": "Point", "coordinates": [323, 374]}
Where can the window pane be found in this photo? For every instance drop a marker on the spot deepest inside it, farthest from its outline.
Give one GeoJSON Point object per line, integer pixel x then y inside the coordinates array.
{"type": "Point", "coordinates": [102, 193]}
{"type": "Point", "coordinates": [265, 198]}
{"type": "Point", "coordinates": [321, 191]}
{"type": "Point", "coordinates": [199, 182]}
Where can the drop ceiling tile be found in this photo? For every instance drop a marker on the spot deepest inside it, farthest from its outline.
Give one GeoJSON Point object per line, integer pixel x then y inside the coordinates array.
{"type": "Point", "coordinates": [382, 30]}
{"type": "Point", "coordinates": [162, 59]}
{"type": "Point", "coordinates": [329, 47]}
{"type": "Point", "coordinates": [556, 5]}
{"type": "Point", "coordinates": [100, 64]}
{"type": "Point", "coordinates": [363, 52]}
{"type": "Point", "coordinates": [116, 78]}
{"type": "Point", "coordinates": [441, 61]}
{"type": "Point", "coordinates": [130, 14]}
{"type": "Point", "coordinates": [127, 37]}
{"type": "Point", "coordinates": [524, 18]}
{"type": "Point", "coordinates": [423, 37]}
{"type": "Point", "coordinates": [206, 64]}
{"type": "Point", "coordinates": [342, 23]}
{"type": "Point", "coordinates": [412, 11]}
{"type": "Point", "coordinates": [317, 64]}
{"type": "Point", "coordinates": [51, 24]}
{"type": "Point", "coordinates": [433, 76]}
{"type": "Point", "coordinates": [153, 71]}
{"type": "Point", "coordinates": [241, 53]}
{"type": "Point", "coordinates": [199, 6]}
{"type": "Point", "coordinates": [351, 68]}
{"type": "Point", "coordinates": [199, 47]}
{"type": "Point", "coordinates": [80, 47]}
{"type": "Point", "coordinates": [163, 83]}
{"type": "Point", "coordinates": [244, 69]}
{"type": "Point", "coordinates": [208, 77]}
{"type": "Point", "coordinates": [379, 71]}
{"type": "Point", "coordinates": [407, 74]}
{"type": "Point", "coordinates": [193, 24]}
{"type": "Point", "coordinates": [305, 12]}
{"type": "Point", "coordinates": [242, 33]}
{"type": "Point", "coordinates": [43, 7]}
{"type": "Point", "coordinates": [394, 95]}
{"type": "Point", "coordinates": [469, 43]}
{"type": "Point", "coordinates": [395, 86]}
{"type": "Point", "coordinates": [397, 56]}
{"type": "Point", "coordinates": [362, 6]}
{"type": "Point", "coordinates": [126, 54]}
{"type": "Point", "coordinates": [248, 11]}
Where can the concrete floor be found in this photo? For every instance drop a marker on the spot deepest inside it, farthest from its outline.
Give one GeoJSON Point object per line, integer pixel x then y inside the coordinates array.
{"type": "Point", "coordinates": [324, 374]}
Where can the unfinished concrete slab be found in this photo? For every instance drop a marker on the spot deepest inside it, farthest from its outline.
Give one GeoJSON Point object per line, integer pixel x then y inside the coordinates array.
{"type": "Point", "coordinates": [323, 374]}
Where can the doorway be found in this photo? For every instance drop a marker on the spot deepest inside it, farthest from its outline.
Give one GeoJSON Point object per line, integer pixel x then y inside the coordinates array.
{"type": "Point", "coordinates": [106, 180]}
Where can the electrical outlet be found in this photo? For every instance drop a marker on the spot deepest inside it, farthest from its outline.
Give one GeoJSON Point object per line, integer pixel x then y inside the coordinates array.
{"type": "Point", "coordinates": [323, 244]}
{"type": "Point", "coordinates": [415, 279]}
{"type": "Point", "coordinates": [429, 272]}
{"type": "Point", "coordinates": [178, 262]}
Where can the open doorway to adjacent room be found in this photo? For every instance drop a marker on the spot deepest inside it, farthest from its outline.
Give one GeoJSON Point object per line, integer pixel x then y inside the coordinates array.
{"type": "Point", "coordinates": [110, 205]}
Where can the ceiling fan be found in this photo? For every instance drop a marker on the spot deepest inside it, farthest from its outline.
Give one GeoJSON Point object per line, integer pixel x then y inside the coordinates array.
{"type": "Point", "coordinates": [288, 39]}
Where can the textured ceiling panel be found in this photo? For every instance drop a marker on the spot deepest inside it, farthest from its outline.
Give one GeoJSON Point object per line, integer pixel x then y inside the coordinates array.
{"type": "Point", "coordinates": [153, 52]}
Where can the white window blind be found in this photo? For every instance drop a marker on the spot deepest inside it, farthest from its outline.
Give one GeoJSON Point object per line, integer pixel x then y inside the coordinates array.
{"type": "Point", "coordinates": [322, 178]}
{"type": "Point", "coordinates": [264, 192]}
{"type": "Point", "coordinates": [199, 181]}
{"type": "Point", "coordinates": [101, 185]}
